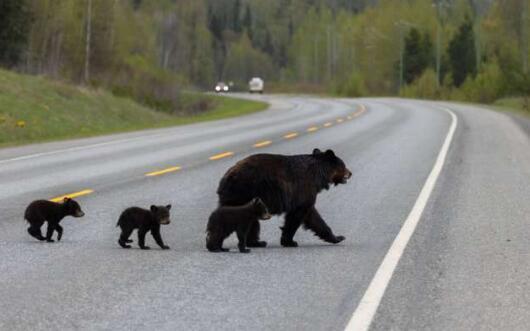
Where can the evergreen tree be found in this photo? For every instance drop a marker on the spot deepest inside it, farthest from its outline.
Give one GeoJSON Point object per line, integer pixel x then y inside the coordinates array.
{"type": "Point", "coordinates": [268, 48]}
{"type": "Point", "coordinates": [427, 49]}
{"type": "Point", "coordinates": [215, 27]}
{"type": "Point", "coordinates": [136, 4]}
{"type": "Point", "coordinates": [236, 23]}
{"type": "Point", "coordinates": [417, 56]}
{"type": "Point", "coordinates": [462, 59]}
{"type": "Point", "coordinates": [247, 21]}
{"type": "Point", "coordinates": [14, 28]}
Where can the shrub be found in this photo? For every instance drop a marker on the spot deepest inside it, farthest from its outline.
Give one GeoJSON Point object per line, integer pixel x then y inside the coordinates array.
{"type": "Point", "coordinates": [353, 86]}
{"type": "Point", "coordinates": [152, 87]}
{"type": "Point", "coordinates": [486, 87]}
{"type": "Point", "coordinates": [424, 87]}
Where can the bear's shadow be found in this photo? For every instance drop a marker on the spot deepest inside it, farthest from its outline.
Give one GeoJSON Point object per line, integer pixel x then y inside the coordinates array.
{"type": "Point", "coordinates": [301, 247]}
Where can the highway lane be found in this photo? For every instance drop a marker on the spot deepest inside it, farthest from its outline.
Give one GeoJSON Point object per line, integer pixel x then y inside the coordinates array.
{"type": "Point", "coordinates": [467, 264]}
{"type": "Point", "coordinates": [88, 282]}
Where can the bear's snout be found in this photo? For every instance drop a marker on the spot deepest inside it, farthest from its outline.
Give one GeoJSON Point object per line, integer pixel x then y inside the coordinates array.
{"type": "Point", "coordinates": [342, 177]}
{"type": "Point", "coordinates": [79, 214]}
{"type": "Point", "coordinates": [266, 216]}
{"type": "Point", "coordinates": [165, 221]}
{"type": "Point", "coordinates": [347, 175]}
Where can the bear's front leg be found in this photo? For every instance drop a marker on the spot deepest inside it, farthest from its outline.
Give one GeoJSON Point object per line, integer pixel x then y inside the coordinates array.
{"type": "Point", "coordinates": [59, 230]}
{"type": "Point", "coordinates": [315, 223]}
{"type": "Point", "coordinates": [242, 232]}
{"type": "Point", "coordinates": [155, 232]}
{"type": "Point", "coordinates": [253, 236]}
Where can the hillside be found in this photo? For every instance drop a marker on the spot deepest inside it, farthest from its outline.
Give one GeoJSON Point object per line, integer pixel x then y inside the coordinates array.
{"type": "Point", "coordinates": [37, 109]}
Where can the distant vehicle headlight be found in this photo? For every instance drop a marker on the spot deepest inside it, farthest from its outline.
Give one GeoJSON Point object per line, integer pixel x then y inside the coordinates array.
{"type": "Point", "coordinates": [225, 88]}
{"type": "Point", "coordinates": [218, 88]}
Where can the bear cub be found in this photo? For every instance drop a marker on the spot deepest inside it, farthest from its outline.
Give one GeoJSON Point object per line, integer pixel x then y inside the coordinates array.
{"type": "Point", "coordinates": [227, 219]}
{"type": "Point", "coordinates": [41, 211]}
{"type": "Point", "coordinates": [144, 220]}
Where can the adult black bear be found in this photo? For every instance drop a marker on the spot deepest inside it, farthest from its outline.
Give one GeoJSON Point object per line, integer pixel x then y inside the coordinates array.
{"type": "Point", "coordinates": [227, 219]}
{"type": "Point", "coordinates": [144, 220]}
{"type": "Point", "coordinates": [41, 211]}
{"type": "Point", "coordinates": [286, 184]}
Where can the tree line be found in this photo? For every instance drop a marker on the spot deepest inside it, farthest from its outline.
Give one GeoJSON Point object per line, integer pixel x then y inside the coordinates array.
{"type": "Point", "coordinates": [151, 50]}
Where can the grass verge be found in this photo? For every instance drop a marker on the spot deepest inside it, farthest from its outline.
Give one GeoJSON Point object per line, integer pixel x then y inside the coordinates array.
{"type": "Point", "coordinates": [514, 105]}
{"type": "Point", "coordinates": [35, 109]}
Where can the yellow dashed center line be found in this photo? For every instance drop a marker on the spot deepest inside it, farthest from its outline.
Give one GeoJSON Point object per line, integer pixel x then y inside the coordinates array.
{"type": "Point", "coordinates": [290, 135]}
{"type": "Point", "coordinates": [262, 143]}
{"type": "Point", "coordinates": [163, 171]}
{"type": "Point", "coordinates": [221, 155]}
{"type": "Point", "coordinates": [361, 110]}
{"type": "Point", "coordinates": [72, 195]}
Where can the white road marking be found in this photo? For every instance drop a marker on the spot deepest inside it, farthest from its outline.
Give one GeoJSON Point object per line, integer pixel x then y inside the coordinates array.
{"type": "Point", "coordinates": [80, 148]}
{"type": "Point", "coordinates": [365, 311]}
{"type": "Point", "coordinates": [107, 143]}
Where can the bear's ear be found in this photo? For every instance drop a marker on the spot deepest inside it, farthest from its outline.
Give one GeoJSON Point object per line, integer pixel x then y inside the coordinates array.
{"type": "Point", "coordinates": [330, 153]}
{"type": "Point", "coordinates": [255, 201]}
{"type": "Point", "coordinates": [317, 151]}
{"type": "Point", "coordinates": [154, 208]}
{"type": "Point", "coordinates": [168, 207]}
{"type": "Point", "coordinates": [66, 199]}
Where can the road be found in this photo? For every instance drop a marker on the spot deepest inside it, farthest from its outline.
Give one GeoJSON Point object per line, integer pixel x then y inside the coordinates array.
{"type": "Point", "coordinates": [464, 265]}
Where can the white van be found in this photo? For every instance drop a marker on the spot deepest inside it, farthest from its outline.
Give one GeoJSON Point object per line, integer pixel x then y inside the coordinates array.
{"type": "Point", "coordinates": [255, 85]}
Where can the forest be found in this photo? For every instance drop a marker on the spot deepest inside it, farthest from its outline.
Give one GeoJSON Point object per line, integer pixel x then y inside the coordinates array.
{"type": "Point", "coordinates": [152, 50]}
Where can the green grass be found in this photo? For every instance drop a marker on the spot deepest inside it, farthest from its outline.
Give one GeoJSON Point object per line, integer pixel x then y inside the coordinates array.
{"type": "Point", "coordinates": [35, 109]}
{"type": "Point", "coordinates": [514, 105]}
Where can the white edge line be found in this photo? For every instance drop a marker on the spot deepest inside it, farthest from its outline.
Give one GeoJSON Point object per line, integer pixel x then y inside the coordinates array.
{"type": "Point", "coordinates": [90, 146]}
{"type": "Point", "coordinates": [365, 311]}
{"type": "Point", "coordinates": [79, 148]}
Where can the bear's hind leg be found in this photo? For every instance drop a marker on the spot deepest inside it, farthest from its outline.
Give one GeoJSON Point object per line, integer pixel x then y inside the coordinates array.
{"type": "Point", "coordinates": [124, 238]}
{"type": "Point", "coordinates": [35, 232]}
{"type": "Point", "coordinates": [315, 223]}
{"type": "Point", "coordinates": [49, 231]}
{"type": "Point", "coordinates": [253, 236]}
{"type": "Point", "coordinates": [293, 220]}
{"type": "Point", "coordinates": [214, 242]}
{"type": "Point", "coordinates": [35, 223]}
{"type": "Point", "coordinates": [141, 238]}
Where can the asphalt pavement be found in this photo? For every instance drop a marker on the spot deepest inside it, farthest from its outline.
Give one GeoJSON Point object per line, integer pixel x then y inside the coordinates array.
{"type": "Point", "coordinates": [465, 266]}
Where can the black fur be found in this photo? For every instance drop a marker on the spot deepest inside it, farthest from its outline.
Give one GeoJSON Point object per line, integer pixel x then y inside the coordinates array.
{"type": "Point", "coordinates": [41, 211]}
{"type": "Point", "coordinates": [144, 220]}
{"type": "Point", "coordinates": [286, 184]}
{"type": "Point", "coordinates": [225, 220]}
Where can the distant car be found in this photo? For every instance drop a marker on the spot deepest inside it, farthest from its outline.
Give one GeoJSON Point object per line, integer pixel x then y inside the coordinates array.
{"type": "Point", "coordinates": [221, 87]}
{"type": "Point", "coordinates": [256, 85]}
